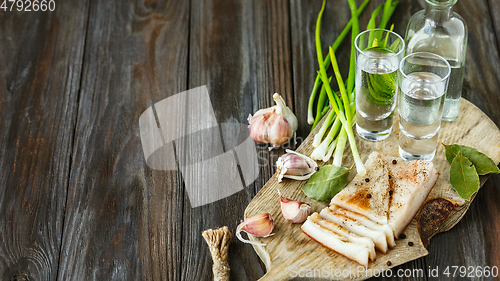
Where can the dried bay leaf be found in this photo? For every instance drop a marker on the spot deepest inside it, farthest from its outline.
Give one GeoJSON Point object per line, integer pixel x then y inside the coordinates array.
{"type": "Point", "coordinates": [326, 182]}
{"type": "Point", "coordinates": [463, 176]}
{"type": "Point", "coordinates": [484, 165]}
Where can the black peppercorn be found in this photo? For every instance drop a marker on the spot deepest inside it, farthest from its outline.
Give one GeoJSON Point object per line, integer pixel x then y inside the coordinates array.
{"type": "Point", "coordinates": [368, 196]}
{"type": "Point", "coordinates": [394, 162]}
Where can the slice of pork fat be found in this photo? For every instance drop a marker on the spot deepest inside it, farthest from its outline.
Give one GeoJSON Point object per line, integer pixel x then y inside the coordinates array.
{"type": "Point", "coordinates": [356, 252]}
{"type": "Point", "coordinates": [386, 229]}
{"type": "Point", "coordinates": [369, 194]}
{"type": "Point", "coordinates": [411, 183]}
{"type": "Point", "coordinates": [378, 237]}
{"type": "Point", "coordinates": [351, 236]}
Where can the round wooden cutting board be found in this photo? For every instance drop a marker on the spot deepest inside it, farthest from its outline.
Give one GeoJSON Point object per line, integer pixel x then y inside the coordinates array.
{"type": "Point", "coordinates": [289, 250]}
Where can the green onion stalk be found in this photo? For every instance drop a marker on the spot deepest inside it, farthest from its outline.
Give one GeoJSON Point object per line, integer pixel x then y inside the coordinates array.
{"type": "Point", "coordinates": [386, 14]}
{"type": "Point", "coordinates": [337, 127]}
{"type": "Point", "coordinates": [326, 147]}
{"type": "Point", "coordinates": [342, 139]}
{"type": "Point", "coordinates": [345, 115]}
{"type": "Point", "coordinates": [323, 146]}
{"type": "Point", "coordinates": [322, 106]}
{"type": "Point", "coordinates": [317, 83]}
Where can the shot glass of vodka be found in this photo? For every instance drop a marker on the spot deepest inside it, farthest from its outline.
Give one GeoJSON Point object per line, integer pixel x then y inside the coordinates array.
{"type": "Point", "coordinates": [378, 53]}
{"type": "Point", "coordinates": [423, 82]}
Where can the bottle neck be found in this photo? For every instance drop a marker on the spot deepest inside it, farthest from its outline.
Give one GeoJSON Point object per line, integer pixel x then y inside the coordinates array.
{"type": "Point", "coordinates": [439, 10]}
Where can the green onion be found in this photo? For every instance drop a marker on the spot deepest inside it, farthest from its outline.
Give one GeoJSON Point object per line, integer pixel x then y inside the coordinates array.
{"type": "Point", "coordinates": [322, 149]}
{"type": "Point", "coordinates": [326, 62]}
{"type": "Point", "coordinates": [386, 14]}
{"type": "Point", "coordinates": [371, 22]}
{"type": "Point", "coordinates": [319, 136]}
{"type": "Point", "coordinates": [342, 116]}
{"type": "Point", "coordinates": [321, 105]}
{"type": "Point", "coordinates": [324, 78]}
{"type": "Point", "coordinates": [312, 97]}
{"type": "Point", "coordinates": [354, 33]}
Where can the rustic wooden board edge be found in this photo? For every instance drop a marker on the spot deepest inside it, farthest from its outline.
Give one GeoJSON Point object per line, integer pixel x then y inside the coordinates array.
{"type": "Point", "coordinates": [452, 210]}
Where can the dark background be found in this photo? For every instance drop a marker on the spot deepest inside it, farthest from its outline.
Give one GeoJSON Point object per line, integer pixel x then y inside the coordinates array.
{"type": "Point", "coordinates": [77, 200]}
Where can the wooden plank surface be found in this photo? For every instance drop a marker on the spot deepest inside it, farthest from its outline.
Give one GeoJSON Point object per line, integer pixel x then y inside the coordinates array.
{"type": "Point", "coordinates": [77, 200]}
{"type": "Point", "coordinates": [474, 241]}
{"type": "Point", "coordinates": [241, 51]}
{"type": "Point", "coordinates": [122, 217]}
{"type": "Point", "coordinates": [41, 57]}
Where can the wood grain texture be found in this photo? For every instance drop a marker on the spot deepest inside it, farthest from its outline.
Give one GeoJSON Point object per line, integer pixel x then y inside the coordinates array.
{"type": "Point", "coordinates": [122, 218]}
{"type": "Point", "coordinates": [494, 9]}
{"type": "Point", "coordinates": [77, 200]}
{"type": "Point", "coordinates": [41, 55]}
{"type": "Point", "coordinates": [489, 211]}
{"type": "Point", "coordinates": [291, 249]}
{"type": "Point", "coordinates": [473, 241]}
{"type": "Point", "coordinates": [303, 16]}
{"type": "Point", "coordinates": [240, 50]}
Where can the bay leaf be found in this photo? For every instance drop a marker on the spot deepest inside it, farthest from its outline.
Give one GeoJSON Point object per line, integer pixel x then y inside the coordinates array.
{"type": "Point", "coordinates": [463, 176]}
{"type": "Point", "coordinates": [326, 182]}
{"type": "Point", "coordinates": [451, 151]}
{"type": "Point", "coordinates": [484, 165]}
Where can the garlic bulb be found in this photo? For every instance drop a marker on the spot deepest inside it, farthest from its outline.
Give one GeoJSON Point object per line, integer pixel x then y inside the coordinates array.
{"type": "Point", "coordinates": [294, 211]}
{"type": "Point", "coordinates": [260, 225]}
{"type": "Point", "coordinates": [294, 165]}
{"type": "Point", "coordinates": [275, 125]}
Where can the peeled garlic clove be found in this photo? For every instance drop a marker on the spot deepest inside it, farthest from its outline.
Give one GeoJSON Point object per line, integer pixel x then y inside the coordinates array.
{"type": "Point", "coordinates": [260, 225]}
{"type": "Point", "coordinates": [275, 125]}
{"type": "Point", "coordinates": [294, 165]}
{"type": "Point", "coordinates": [294, 211]}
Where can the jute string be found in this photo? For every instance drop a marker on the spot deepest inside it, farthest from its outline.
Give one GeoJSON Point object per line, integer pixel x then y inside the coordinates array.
{"type": "Point", "coordinates": [218, 242]}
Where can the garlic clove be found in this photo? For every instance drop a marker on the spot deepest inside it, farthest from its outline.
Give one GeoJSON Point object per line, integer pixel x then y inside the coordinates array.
{"type": "Point", "coordinates": [259, 127]}
{"type": "Point", "coordinates": [279, 131]}
{"type": "Point", "coordinates": [260, 225]}
{"type": "Point", "coordinates": [294, 211]}
{"type": "Point", "coordinates": [275, 125]}
{"type": "Point", "coordinates": [286, 112]}
{"type": "Point", "coordinates": [294, 165]}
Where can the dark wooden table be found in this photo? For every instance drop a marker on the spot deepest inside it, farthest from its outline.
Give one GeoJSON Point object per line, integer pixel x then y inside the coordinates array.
{"type": "Point", "coordinates": [77, 200]}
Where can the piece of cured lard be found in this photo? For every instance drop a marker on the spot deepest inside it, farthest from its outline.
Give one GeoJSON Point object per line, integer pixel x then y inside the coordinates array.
{"type": "Point", "coordinates": [410, 183]}
{"type": "Point", "coordinates": [342, 231]}
{"type": "Point", "coordinates": [374, 209]}
{"type": "Point", "coordinates": [386, 229]}
{"type": "Point", "coordinates": [378, 237]}
{"type": "Point", "coordinates": [368, 195]}
{"type": "Point", "coordinates": [356, 252]}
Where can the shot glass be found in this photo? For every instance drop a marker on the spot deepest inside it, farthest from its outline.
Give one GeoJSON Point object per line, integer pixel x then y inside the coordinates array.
{"type": "Point", "coordinates": [423, 82]}
{"type": "Point", "coordinates": [378, 53]}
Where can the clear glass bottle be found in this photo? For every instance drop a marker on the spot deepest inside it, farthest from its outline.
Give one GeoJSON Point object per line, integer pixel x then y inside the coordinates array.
{"type": "Point", "coordinates": [437, 29]}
